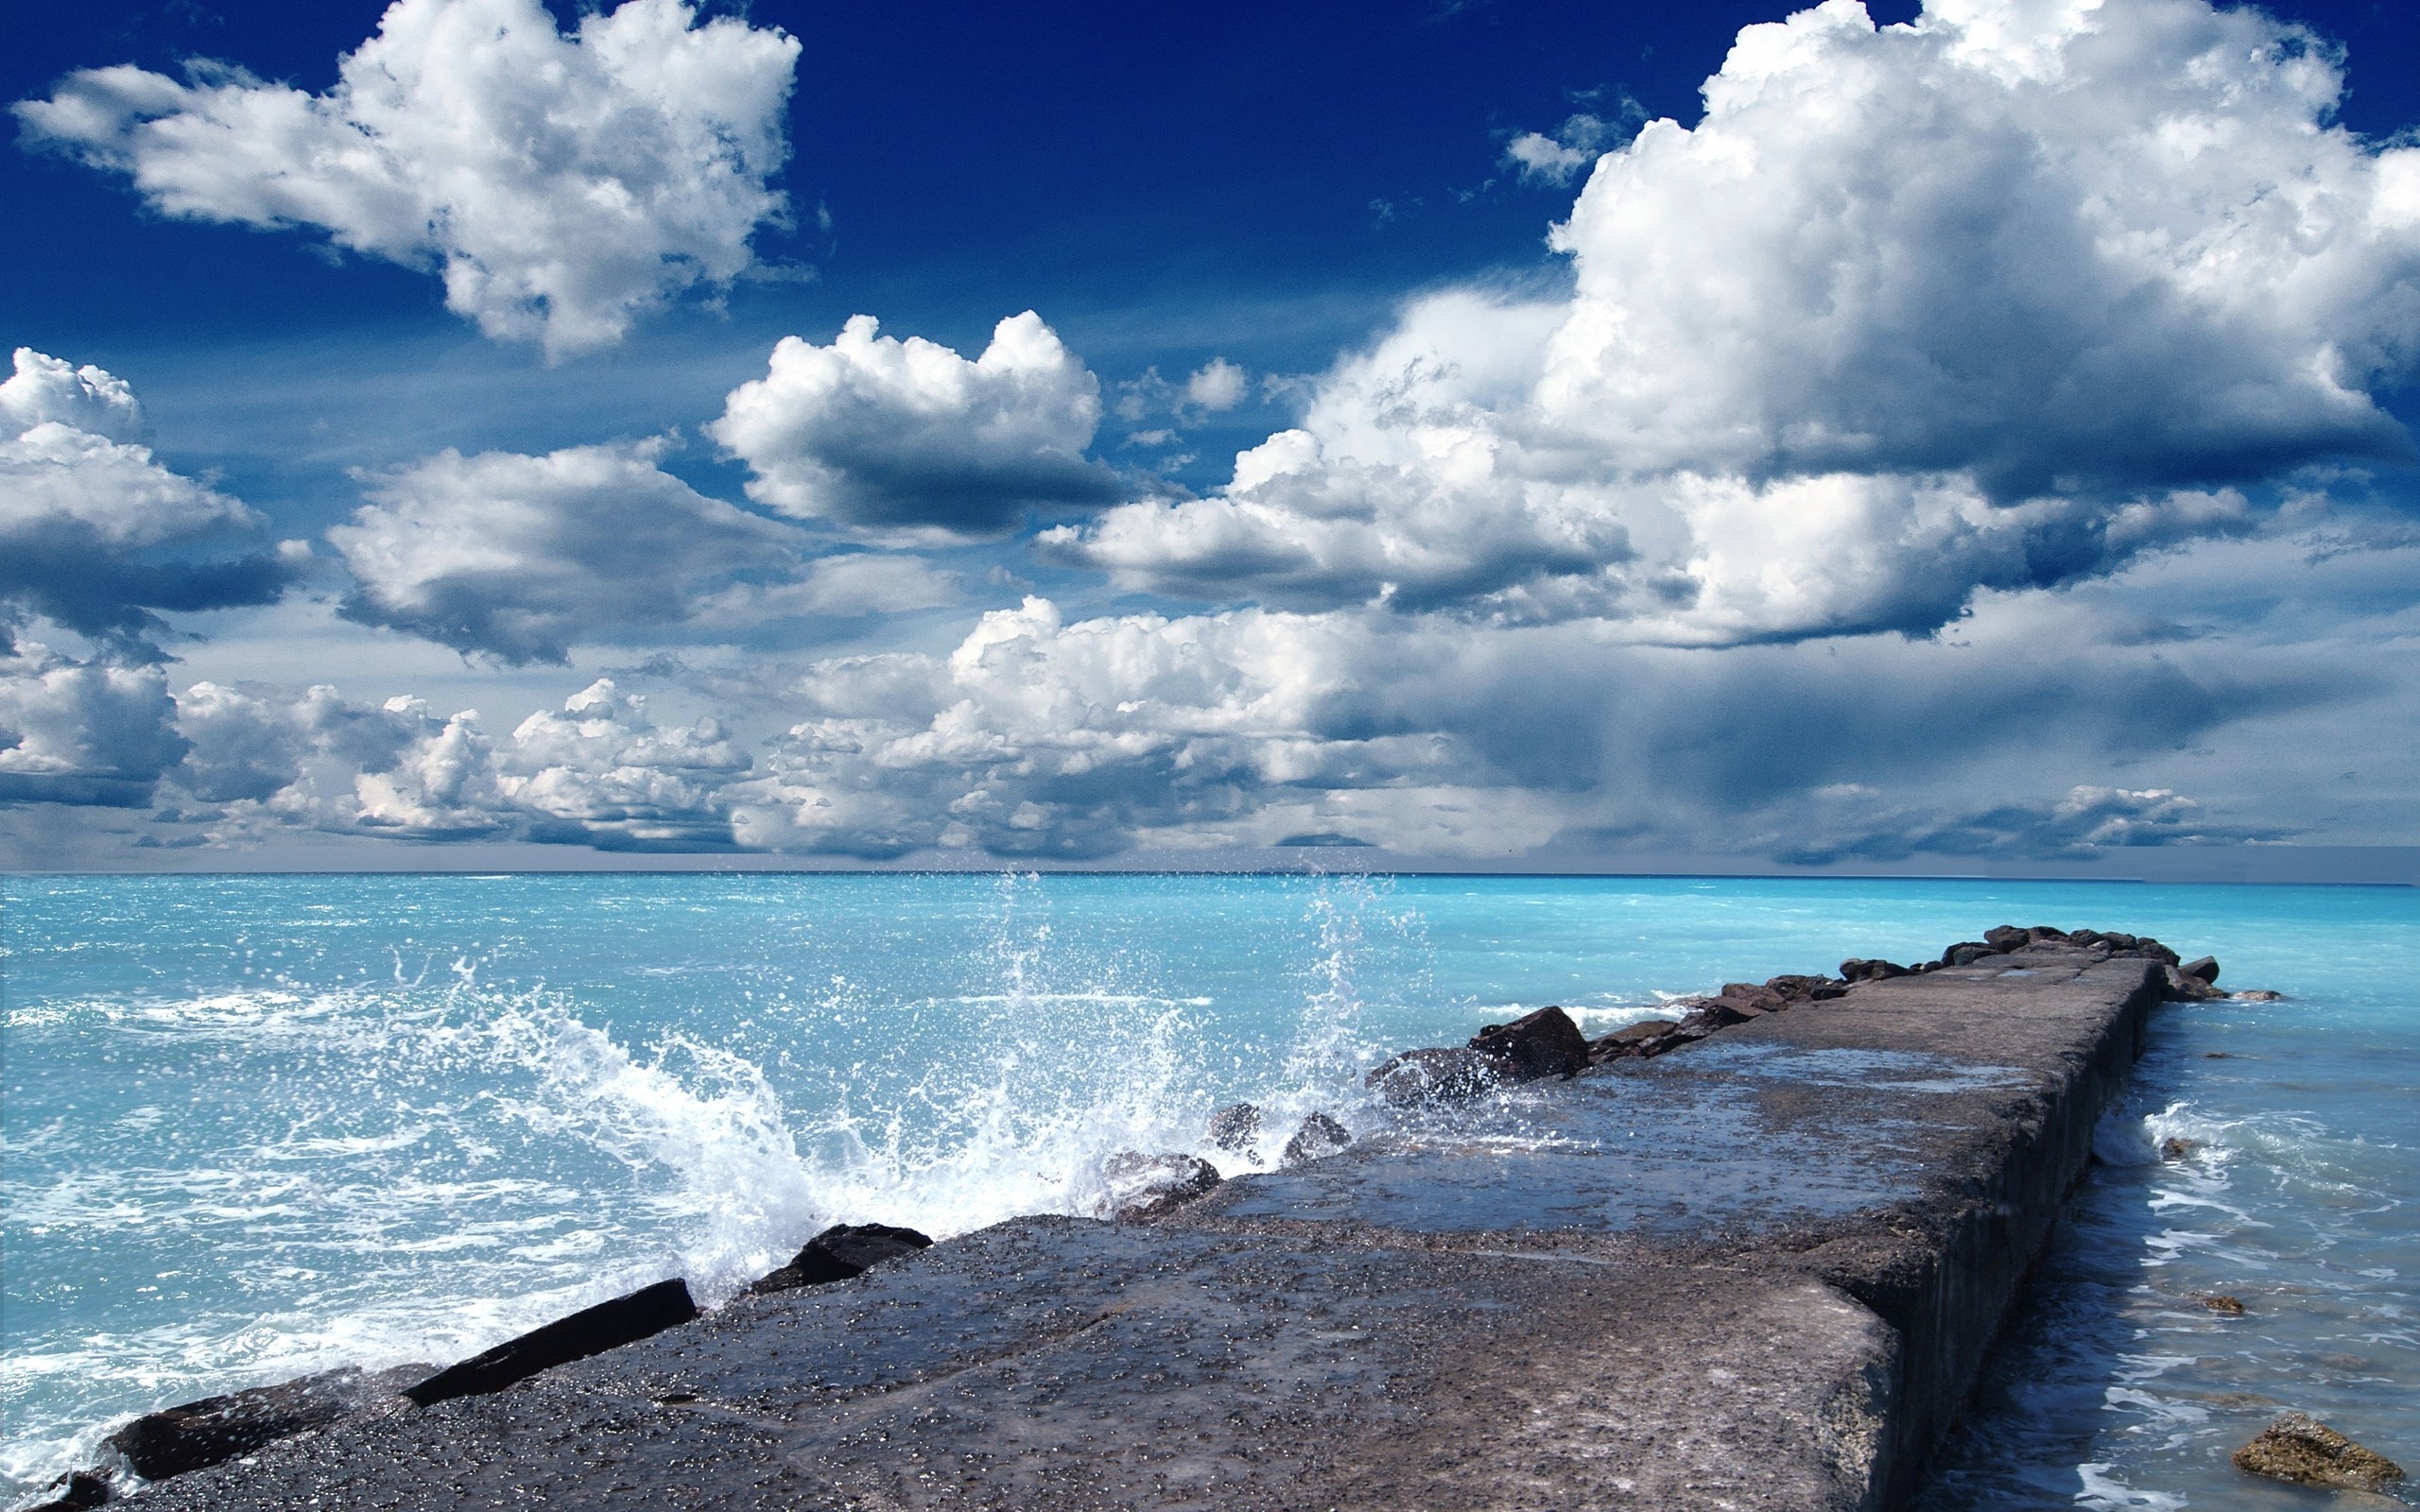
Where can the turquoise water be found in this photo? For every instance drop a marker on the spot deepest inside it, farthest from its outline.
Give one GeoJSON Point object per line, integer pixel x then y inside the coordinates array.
{"type": "Point", "coordinates": [257, 1125]}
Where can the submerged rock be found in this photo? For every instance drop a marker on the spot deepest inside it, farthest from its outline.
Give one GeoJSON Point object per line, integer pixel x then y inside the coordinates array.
{"type": "Point", "coordinates": [1146, 1185]}
{"type": "Point", "coordinates": [2173, 1149]}
{"type": "Point", "coordinates": [198, 1435]}
{"type": "Point", "coordinates": [1419, 1076]}
{"type": "Point", "coordinates": [2296, 1449]}
{"type": "Point", "coordinates": [77, 1490]}
{"type": "Point", "coordinates": [649, 1311]}
{"type": "Point", "coordinates": [840, 1252]}
{"type": "Point", "coordinates": [2257, 994]}
{"type": "Point", "coordinates": [1545, 1043]}
{"type": "Point", "coordinates": [1319, 1137]}
{"type": "Point", "coordinates": [2221, 1303]}
{"type": "Point", "coordinates": [1235, 1128]}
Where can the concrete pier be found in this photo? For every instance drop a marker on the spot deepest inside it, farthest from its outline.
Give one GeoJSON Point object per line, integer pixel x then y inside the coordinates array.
{"type": "Point", "coordinates": [1761, 1272]}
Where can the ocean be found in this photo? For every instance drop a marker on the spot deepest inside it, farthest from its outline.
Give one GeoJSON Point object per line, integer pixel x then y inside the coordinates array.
{"type": "Point", "coordinates": [260, 1125]}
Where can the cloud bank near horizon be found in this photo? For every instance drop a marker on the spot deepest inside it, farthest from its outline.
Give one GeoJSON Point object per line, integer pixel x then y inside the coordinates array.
{"type": "Point", "coordinates": [1963, 440]}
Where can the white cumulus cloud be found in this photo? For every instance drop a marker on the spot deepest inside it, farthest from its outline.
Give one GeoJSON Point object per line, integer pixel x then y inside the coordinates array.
{"type": "Point", "coordinates": [1995, 299]}
{"type": "Point", "coordinates": [522, 556]}
{"type": "Point", "coordinates": [909, 440]}
{"type": "Point", "coordinates": [94, 532]}
{"type": "Point", "coordinates": [44, 390]}
{"type": "Point", "coordinates": [1216, 386]}
{"type": "Point", "coordinates": [1043, 738]}
{"type": "Point", "coordinates": [600, 771]}
{"type": "Point", "coordinates": [563, 185]}
{"type": "Point", "coordinates": [85, 732]}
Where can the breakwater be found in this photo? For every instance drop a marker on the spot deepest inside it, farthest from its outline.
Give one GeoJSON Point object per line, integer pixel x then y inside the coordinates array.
{"type": "Point", "coordinates": [1759, 1273]}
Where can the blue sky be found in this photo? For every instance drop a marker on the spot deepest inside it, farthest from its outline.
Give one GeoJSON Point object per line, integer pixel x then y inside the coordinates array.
{"type": "Point", "coordinates": [1981, 441]}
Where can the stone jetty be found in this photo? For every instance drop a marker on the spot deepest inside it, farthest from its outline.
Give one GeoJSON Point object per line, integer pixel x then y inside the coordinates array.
{"type": "Point", "coordinates": [1750, 1259]}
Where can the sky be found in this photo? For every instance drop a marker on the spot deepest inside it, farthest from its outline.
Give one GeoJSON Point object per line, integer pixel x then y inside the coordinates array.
{"type": "Point", "coordinates": [1976, 437]}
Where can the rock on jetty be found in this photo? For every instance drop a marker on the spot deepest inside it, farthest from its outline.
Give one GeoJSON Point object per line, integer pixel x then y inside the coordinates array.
{"type": "Point", "coordinates": [1759, 1274]}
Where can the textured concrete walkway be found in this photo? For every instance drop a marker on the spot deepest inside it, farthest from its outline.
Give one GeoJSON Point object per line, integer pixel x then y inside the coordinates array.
{"type": "Point", "coordinates": [1758, 1273]}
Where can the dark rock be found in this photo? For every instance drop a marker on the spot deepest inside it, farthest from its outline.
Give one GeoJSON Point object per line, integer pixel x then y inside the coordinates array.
{"type": "Point", "coordinates": [1629, 1039]}
{"type": "Point", "coordinates": [1860, 970]}
{"type": "Point", "coordinates": [1545, 1043]}
{"type": "Point", "coordinates": [1146, 1185]}
{"type": "Point", "coordinates": [216, 1429]}
{"type": "Point", "coordinates": [2157, 952]}
{"type": "Point", "coordinates": [2216, 1054]}
{"type": "Point", "coordinates": [2008, 937]}
{"type": "Point", "coordinates": [74, 1491]}
{"type": "Point", "coordinates": [1709, 1014]}
{"type": "Point", "coordinates": [2119, 942]}
{"type": "Point", "coordinates": [650, 1310]}
{"type": "Point", "coordinates": [1236, 1128]}
{"type": "Point", "coordinates": [2205, 967]}
{"type": "Point", "coordinates": [2221, 1303]}
{"type": "Point", "coordinates": [1434, 1076]}
{"type": "Point", "coordinates": [1751, 998]}
{"type": "Point", "coordinates": [2182, 988]}
{"type": "Point", "coordinates": [2257, 994]}
{"type": "Point", "coordinates": [1320, 1137]}
{"type": "Point", "coordinates": [1671, 1039]}
{"type": "Point", "coordinates": [2296, 1449]}
{"type": "Point", "coordinates": [1966, 953]}
{"type": "Point", "coordinates": [1805, 989]}
{"type": "Point", "coordinates": [840, 1252]}
{"type": "Point", "coordinates": [2039, 932]}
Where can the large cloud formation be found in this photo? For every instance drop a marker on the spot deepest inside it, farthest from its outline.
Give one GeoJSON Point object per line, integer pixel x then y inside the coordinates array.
{"type": "Point", "coordinates": [2268, 676]}
{"type": "Point", "coordinates": [1038, 736]}
{"type": "Point", "coordinates": [909, 440]}
{"type": "Point", "coordinates": [96, 537]}
{"type": "Point", "coordinates": [563, 185]}
{"type": "Point", "coordinates": [600, 771]}
{"type": "Point", "coordinates": [95, 534]}
{"type": "Point", "coordinates": [82, 731]}
{"type": "Point", "coordinates": [520, 558]}
{"type": "Point", "coordinates": [1993, 299]}
{"type": "Point", "coordinates": [1931, 457]}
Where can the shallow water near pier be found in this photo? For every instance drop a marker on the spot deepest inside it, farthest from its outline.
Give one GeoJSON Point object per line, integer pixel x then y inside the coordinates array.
{"type": "Point", "coordinates": [259, 1126]}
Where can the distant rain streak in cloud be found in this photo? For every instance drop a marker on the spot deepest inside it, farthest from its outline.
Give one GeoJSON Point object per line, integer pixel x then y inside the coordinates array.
{"type": "Point", "coordinates": [1970, 437]}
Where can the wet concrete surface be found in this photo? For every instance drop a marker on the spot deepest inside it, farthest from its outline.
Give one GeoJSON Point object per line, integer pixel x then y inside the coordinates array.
{"type": "Point", "coordinates": [1736, 1135]}
{"type": "Point", "coordinates": [1760, 1272]}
